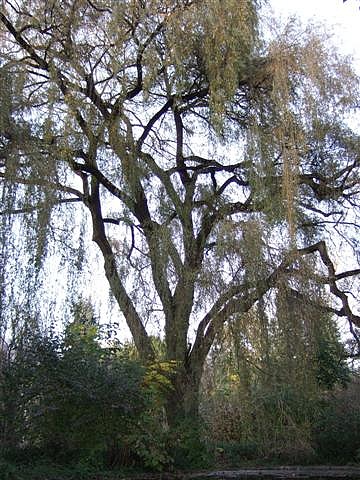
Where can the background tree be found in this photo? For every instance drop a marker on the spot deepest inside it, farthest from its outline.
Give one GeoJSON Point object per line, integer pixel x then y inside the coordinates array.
{"type": "Point", "coordinates": [208, 161]}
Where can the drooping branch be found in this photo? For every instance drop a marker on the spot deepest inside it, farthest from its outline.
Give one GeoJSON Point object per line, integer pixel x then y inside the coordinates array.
{"type": "Point", "coordinates": [34, 208]}
{"type": "Point", "coordinates": [240, 298]}
{"type": "Point", "coordinates": [40, 182]}
{"type": "Point", "coordinates": [334, 289]}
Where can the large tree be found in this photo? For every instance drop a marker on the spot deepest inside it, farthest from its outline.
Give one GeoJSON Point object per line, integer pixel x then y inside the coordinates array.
{"type": "Point", "coordinates": [212, 163]}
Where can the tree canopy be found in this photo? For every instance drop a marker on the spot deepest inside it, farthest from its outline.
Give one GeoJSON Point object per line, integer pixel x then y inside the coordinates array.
{"type": "Point", "coordinates": [214, 166]}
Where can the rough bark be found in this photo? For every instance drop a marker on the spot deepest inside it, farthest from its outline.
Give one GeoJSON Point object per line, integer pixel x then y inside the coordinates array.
{"type": "Point", "coordinates": [183, 400]}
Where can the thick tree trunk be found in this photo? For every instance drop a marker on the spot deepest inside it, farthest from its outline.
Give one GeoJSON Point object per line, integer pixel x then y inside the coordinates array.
{"type": "Point", "coordinates": [183, 400]}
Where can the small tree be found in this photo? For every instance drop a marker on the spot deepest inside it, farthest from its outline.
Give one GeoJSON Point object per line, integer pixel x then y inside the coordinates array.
{"type": "Point", "coordinates": [208, 160]}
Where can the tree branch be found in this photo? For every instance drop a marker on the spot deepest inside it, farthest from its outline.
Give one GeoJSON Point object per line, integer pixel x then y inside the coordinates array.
{"type": "Point", "coordinates": [240, 298]}
{"type": "Point", "coordinates": [42, 183]}
{"type": "Point", "coordinates": [34, 208]}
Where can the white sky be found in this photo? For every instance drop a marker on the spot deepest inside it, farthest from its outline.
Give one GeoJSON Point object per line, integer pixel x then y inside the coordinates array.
{"type": "Point", "coordinates": [343, 18]}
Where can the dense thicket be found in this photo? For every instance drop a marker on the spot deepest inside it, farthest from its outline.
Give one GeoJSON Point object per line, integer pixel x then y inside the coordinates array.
{"type": "Point", "coordinates": [270, 393]}
{"type": "Point", "coordinates": [65, 399]}
{"type": "Point", "coordinates": [69, 401]}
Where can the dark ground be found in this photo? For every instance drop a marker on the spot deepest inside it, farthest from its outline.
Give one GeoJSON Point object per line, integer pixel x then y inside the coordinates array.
{"type": "Point", "coordinates": [286, 473]}
{"type": "Point", "coordinates": [297, 472]}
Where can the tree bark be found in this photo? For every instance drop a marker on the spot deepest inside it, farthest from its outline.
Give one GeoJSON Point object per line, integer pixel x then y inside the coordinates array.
{"type": "Point", "coordinates": [183, 399]}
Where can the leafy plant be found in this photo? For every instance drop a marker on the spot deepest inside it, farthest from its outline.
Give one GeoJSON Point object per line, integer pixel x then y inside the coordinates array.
{"type": "Point", "coordinates": [77, 401]}
{"type": "Point", "coordinates": [336, 429]}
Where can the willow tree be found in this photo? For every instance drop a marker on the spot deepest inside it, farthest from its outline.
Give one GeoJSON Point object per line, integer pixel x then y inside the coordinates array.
{"type": "Point", "coordinates": [209, 162]}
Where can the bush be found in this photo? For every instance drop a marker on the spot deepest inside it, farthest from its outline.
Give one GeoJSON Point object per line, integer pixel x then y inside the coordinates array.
{"type": "Point", "coordinates": [77, 403]}
{"type": "Point", "coordinates": [187, 447]}
{"type": "Point", "coordinates": [232, 454]}
{"type": "Point", "coordinates": [336, 431]}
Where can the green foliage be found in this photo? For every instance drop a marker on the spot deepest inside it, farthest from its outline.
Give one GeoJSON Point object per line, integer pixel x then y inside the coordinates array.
{"type": "Point", "coordinates": [72, 400]}
{"type": "Point", "coordinates": [187, 445]}
{"type": "Point", "coordinates": [336, 430]}
{"type": "Point", "coordinates": [267, 377]}
{"type": "Point", "coordinates": [149, 442]}
{"type": "Point", "coordinates": [331, 367]}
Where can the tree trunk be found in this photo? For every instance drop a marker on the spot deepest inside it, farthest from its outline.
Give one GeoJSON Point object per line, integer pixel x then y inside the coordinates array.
{"type": "Point", "coordinates": [183, 400]}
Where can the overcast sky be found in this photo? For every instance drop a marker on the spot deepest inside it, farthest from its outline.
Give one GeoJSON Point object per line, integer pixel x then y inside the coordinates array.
{"type": "Point", "coordinates": [344, 18]}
